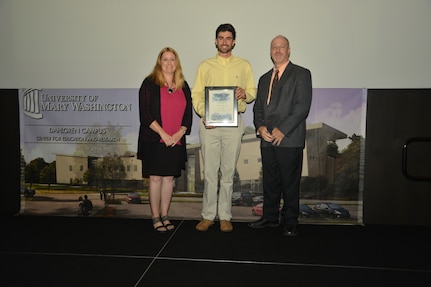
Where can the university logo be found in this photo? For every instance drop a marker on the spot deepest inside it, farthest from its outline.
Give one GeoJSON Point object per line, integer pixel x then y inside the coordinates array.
{"type": "Point", "coordinates": [31, 103]}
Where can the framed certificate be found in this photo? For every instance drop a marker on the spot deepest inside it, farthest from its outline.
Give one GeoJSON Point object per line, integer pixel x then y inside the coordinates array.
{"type": "Point", "coordinates": [221, 106]}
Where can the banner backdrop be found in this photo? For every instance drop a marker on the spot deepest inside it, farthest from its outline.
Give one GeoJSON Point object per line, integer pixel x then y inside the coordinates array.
{"type": "Point", "coordinates": [78, 122]}
{"type": "Point", "coordinates": [67, 135]}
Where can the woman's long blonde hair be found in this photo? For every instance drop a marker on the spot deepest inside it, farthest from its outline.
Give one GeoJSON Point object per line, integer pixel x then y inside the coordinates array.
{"type": "Point", "coordinates": [157, 75]}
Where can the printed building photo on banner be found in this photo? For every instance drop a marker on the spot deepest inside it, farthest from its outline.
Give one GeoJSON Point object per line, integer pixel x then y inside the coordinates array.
{"type": "Point", "coordinates": [81, 144]}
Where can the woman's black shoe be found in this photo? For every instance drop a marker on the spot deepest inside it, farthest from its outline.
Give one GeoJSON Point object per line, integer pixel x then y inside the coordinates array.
{"type": "Point", "coordinates": [167, 223]}
{"type": "Point", "coordinates": [159, 228]}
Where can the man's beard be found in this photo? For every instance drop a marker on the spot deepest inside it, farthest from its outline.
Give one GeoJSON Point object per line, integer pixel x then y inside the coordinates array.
{"type": "Point", "coordinates": [229, 49]}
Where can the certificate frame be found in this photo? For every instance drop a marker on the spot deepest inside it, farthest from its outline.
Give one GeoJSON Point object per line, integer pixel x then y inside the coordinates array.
{"type": "Point", "coordinates": [221, 106]}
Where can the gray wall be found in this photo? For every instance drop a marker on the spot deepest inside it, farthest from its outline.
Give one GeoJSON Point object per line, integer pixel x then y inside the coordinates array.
{"type": "Point", "coordinates": [114, 44]}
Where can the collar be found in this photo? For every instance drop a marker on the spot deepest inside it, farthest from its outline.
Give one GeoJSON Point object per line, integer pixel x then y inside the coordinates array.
{"type": "Point", "coordinates": [282, 68]}
{"type": "Point", "coordinates": [224, 60]}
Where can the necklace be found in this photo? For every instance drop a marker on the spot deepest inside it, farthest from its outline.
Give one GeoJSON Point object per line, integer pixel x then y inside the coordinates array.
{"type": "Point", "coordinates": [170, 89]}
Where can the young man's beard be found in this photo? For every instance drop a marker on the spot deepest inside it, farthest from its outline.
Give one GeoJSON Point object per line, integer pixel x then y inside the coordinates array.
{"type": "Point", "coordinates": [225, 52]}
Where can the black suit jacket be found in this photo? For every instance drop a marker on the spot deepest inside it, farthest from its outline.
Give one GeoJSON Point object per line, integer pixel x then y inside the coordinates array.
{"type": "Point", "coordinates": [289, 106]}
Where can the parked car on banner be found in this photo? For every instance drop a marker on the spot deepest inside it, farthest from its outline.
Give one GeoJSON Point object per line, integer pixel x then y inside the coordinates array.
{"type": "Point", "coordinates": [27, 192]}
{"type": "Point", "coordinates": [133, 198]}
{"type": "Point", "coordinates": [257, 210]}
{"type": "Point", "coordinates": [307, 211]}
{"type": "Point", "coordinates": [332, 210]}
{"type": "Point", "coordinates": [242, 198]}
{"type": "Point", "coordinates": [258, 198]}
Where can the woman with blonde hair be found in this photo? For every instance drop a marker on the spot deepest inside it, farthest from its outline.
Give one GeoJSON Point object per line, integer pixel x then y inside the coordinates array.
{"type": "Point", "coordinates": [165, 113]}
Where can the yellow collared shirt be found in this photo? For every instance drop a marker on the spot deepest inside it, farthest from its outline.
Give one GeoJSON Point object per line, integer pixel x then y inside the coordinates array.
{"type": "Point", "coordinates": [219, 71]}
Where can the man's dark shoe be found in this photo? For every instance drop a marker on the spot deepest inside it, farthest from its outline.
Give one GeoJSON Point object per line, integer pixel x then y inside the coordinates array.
{"type": "Point", "coordinates": [262, 223]}
{"type": "Point", "coordinates": [290, 230]}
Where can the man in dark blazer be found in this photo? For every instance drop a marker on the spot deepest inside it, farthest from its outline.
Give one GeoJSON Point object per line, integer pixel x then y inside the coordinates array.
{"type": "Point", "coordinates": [280, 113]}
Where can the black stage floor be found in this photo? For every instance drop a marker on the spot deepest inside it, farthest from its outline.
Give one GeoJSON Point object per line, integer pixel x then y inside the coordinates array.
{"type": "Point", "coordinates": [76, 251]}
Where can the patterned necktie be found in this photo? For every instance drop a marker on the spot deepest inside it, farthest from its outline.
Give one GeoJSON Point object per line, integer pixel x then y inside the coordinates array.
{"type": "Point", "coordinates": [274, 84]}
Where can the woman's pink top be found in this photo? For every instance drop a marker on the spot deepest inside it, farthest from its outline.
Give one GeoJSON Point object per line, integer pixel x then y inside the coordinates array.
{"type": "Point", "coordinates": [172, 106]}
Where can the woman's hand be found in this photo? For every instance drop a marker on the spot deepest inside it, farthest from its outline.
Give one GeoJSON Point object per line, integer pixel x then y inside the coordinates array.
{"type": "Point", "coordinates": [167, 139]}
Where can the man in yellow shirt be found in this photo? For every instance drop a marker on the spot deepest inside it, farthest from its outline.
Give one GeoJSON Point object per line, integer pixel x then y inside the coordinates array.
{"type": "Point", "coordinates": [220, 146]}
